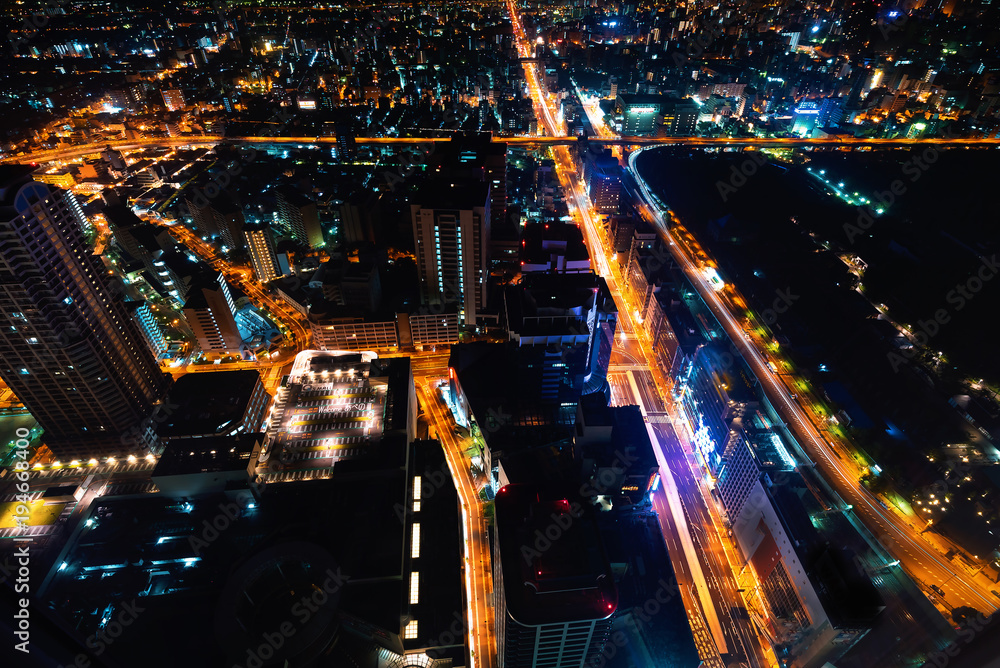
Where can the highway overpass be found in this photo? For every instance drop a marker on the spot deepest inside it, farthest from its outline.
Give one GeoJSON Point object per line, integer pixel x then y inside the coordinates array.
{"type": "Point", "coordinates": [65, 152]}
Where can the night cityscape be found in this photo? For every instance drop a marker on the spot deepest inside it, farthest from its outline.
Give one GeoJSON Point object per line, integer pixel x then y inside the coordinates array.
{"type": "Point", "coordinates": [513, 334]}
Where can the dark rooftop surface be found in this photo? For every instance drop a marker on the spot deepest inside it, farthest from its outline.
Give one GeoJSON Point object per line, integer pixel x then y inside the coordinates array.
{"type": "Point", "coordinates": [569, 581]}
{"type": "Point", "coordinates": [542, 240]}
{"type": "Point", "coordinates": [203, 403]}
{"type": "Point", "coordinates": [201, 455]}
{"type": "Point", "coordinates": [457, 194]}
{"type": "Point", "coordinates": [846, 593]}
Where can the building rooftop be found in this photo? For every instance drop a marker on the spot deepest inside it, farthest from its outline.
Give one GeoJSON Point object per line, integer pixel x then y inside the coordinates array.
{"type": "Point", "coordinates": [205, 403]}
{"type": "Point", "coordinates": [452, 194]}
{"type": "Point", "coordinates": [845, 591]}
{"type": "Point", "coordinates": [570, 580]}
{"type": "Point", "coordinates": [339, 406]}
{"type": "Point", "coordinates": [540, 241]}
{"type": "Point", "coordinates": [206, 455]}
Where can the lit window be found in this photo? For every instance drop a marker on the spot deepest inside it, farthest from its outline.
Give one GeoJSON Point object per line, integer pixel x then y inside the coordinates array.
{"type": "Point", "coordinates": [410, 632]}
{"type": "Point", "coordinates": [416, 506]}
{"type": "Point", "coordinates": [414, 588]}
{"type": "Point", "coordinates": [416, 488]}
{"type": "Point", "coordinates": [415, 542]}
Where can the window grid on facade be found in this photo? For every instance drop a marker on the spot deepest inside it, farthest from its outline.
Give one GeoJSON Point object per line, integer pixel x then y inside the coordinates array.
{"type": "Point", "coordinates": [415, 541]}
{"type": "Point", "coordinates": [414, 588]}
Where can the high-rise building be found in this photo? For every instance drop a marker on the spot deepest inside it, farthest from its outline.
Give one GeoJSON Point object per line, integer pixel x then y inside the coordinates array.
{"type": "Point", "coordinates": [300, 217]}
{"type": "Point", "coordinates": [831, 112]}
{"type": "Point", "coordinates": [476, 156]}
{"type": "Point", "coordinates": [260, 243]}
{"type": "Point", "coordinates": [220, 216]}
{"type": "Point", "coordinates": [717, 395]}
{"type": "Point", "coordinates": [554, 607]}
{"type": "Point", "coordinates": [69, 349]}
{"type": "Point", "coordinates": [451, 231]}
{"type": "Point", "coordinates": [172, 98]}
{"type": "Point", "coordinates": [211, 313]}
{"type": "Point", "coordinates": [802, 555]}
{"type": "Point", "coordinates": [564, 328]}
{"type": "Point", "coordinates": [604, 183]}
{"type": "Point", "coordinates": [150, 329]}
{"type": "Point", "coordinates": [346, 147]}
{"type": "Point", "coordinates": [358, 216]}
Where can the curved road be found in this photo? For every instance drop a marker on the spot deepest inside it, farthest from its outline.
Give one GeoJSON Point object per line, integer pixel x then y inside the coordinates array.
{"type": "Point", "coordinates": [924, 564]}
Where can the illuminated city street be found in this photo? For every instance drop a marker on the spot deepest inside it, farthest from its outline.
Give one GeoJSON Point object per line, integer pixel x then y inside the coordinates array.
{"type": "Point", "coordinates": [499, 335]}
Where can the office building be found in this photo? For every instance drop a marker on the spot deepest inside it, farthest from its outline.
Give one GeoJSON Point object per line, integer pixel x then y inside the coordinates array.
{"type": "Point", "coordinates": [219, 217]}
{"type": "Point", "coordinates": [148, 326]}
{"type": "Point", "coordinates": [554, 607]}
{"type": "Point", "coordinates": [604, 182]}
{"type": "Point", "coordinates": [222, 403]}
{"type": "Point", "coordinates": [340, 328]}
{"type": "Point", "coordinates": [260, 244]}
{"type": "Point", "coordinates": [564, 329]}
{"type": "Point", "coordinates": [428, 329]}
{"type": "Point", "coordinates": [720, 390]}
{"type": "Point", "coordinates": [173, 99]}
{"type": "Point", "coordinates": [553, 247]}
{"type": "Point", "coordinates": [451, 231]}
{"type": "Point", "coordinates": [69, 348]}
{"type": "Point", "coordinates": [211, 313]}
{"type": "Point", "coordinates": [819, 601]}
{"type": "Point", "coordinates": [679, 117]}
{"type": "Point", "coordinates": [804, 117]}
{"type": "Point", "coordinates": [615, 454]}
{"type": "Point", "coordinates": [638, 115]}
{"type": "Point", "coordinates": [831, 112]}
{"type": "Point", "coordinates": [300, 217]}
